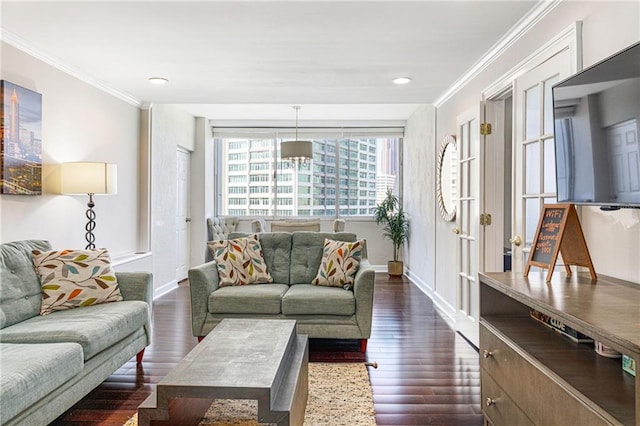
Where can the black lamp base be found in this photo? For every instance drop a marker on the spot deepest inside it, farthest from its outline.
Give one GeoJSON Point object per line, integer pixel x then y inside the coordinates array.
{"type": "Point", "coordinates": [91, 225]}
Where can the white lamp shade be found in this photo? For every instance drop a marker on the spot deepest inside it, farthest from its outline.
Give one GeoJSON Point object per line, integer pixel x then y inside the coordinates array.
{"type": "Point", "coordinates": [296, 149]}
{"type": "Point", "coordinates": [88, 178]}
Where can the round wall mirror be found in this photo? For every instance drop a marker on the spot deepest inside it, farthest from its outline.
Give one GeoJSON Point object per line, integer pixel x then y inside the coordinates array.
{"type": "Point", "coordinates": [447, 190]}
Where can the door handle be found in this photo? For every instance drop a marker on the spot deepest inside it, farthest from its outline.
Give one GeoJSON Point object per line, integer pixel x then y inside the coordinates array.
{"type": "Point", "coordinates": [188, 219]}
{"type": "Point", "coordinates": [456, 230]}
{"type": "Point", "coordinates": [516, 241]}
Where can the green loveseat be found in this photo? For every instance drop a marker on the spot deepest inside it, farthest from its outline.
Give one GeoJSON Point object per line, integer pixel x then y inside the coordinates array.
{"type": "Point", "coordinates": [293, 260]}
{"type": "Point", "coordinates": [50, 362]}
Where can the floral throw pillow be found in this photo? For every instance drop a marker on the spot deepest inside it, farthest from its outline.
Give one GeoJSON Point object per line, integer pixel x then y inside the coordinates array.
{"type": "Point", "coordinates": [240, 261]}
{"type": "Point", "coordinates": [75, 278]}
{"type": "Point", "coordinates": [339, 263]}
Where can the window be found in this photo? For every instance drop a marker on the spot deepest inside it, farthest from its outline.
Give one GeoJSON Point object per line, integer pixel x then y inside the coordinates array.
{"type": "Point", "coordinates": [259, 178]}
{"type": "Point", "coordinates": [345, 173]}
{"type": "Point", "coordinates": [238, 156]}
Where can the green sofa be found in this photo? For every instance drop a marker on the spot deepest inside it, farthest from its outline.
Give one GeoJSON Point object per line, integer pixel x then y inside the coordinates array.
{"type": "Point", "coordinates": [292, 259]}
{"type": "Point", "coordinates": [50, 362]}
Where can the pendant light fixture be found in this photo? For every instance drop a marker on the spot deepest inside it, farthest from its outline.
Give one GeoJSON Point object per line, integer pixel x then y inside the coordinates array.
{"type": "Point", "coordinates": [298, 153]}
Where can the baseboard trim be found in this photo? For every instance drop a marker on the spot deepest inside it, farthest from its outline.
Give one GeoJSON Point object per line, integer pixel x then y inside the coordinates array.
{"type": "Point", "coordinates": [164, 289]}
{"type": "Point", "coordinates": [379, 268]}
{"type": "Point", "coordinates": [447, 311]}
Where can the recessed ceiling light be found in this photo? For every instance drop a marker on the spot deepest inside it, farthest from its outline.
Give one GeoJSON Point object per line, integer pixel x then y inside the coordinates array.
{"type": "Point", "coordinates": [158, 80]}
{"type": "Point", "coordinates": [401, 80]}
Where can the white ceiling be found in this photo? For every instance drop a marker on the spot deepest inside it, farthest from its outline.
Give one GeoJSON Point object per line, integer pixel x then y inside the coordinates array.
{"type": "Point", "coordinates": [255, 59]}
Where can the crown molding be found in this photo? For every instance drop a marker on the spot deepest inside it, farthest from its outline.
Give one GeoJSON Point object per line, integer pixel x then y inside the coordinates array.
{"type": "Point", "coordinates": [569, 39]}
{"type": "Point", "coordinates": [31, 49]}
{"type": "Point", "coordinates": [514, 34]}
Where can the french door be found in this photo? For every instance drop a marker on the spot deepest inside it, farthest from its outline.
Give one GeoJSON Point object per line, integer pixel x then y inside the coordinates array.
{"type": "Point", "coordinates": [469, 249]}
{"type": "Point", "coordinates": [534, 155]}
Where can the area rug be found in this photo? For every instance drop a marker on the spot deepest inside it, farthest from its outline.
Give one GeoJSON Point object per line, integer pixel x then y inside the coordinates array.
{"type": "Point", "coordinates": [339, 394]}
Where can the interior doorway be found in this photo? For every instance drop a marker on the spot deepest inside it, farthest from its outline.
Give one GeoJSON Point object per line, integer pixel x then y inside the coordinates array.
{"type": "Point", "coordinates": [519, 149]}
{"type": "Point", "coordinates": [498, 186]}
{"type": "Point", "coordinates": [183, 218]}
{"type": "Point", "coordinates": [508, 182]}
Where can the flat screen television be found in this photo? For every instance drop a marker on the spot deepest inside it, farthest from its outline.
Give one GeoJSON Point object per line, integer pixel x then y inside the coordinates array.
{"type": "Point", "coordinates": [596, 128]}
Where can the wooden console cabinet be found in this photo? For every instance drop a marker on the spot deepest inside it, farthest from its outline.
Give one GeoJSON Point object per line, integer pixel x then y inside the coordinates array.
{"type": "Point", "coordinates": [533, 375]}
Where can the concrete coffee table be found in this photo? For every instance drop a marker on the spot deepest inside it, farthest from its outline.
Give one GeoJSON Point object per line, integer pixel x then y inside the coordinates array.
{"type": "Point", "coordinates": [263, 360]}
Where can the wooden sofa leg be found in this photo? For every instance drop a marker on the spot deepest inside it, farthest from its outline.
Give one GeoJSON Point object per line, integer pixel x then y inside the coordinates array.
{"type": "Point", "coordinates": [363, 345]}
{"type": "Point", "coordinates": [139, 356]}
{"type": "Point", "coordinates": [200, 338]}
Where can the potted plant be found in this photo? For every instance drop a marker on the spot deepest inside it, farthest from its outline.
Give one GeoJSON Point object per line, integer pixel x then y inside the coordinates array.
{"type": "Point", "coordinates": [390, 214]}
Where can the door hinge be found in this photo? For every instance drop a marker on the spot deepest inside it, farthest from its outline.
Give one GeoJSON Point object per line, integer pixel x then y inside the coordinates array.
{"type": "Point", "coordinates": [485, 129]}
{"type": "Point", "coordinates": [485, 219]}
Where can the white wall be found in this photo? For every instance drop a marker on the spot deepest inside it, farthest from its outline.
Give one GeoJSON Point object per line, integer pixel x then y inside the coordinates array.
{"type": "Point", "coordinates": [419, 197]}
{"type": "Point", "coordinates": [202, 190]}
{"type": "Point", "coordinates": [79, 123]}
{"type": "Point", "coordinates": [171, 128]}
{"type": "Point", "coordinates": [613, 238]}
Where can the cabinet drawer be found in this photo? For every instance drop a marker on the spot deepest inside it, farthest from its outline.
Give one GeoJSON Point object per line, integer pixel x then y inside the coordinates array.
{"type": "Point", "coordinates": [546, 399]}
{"type": "Point", "coordinates": [497, 407]}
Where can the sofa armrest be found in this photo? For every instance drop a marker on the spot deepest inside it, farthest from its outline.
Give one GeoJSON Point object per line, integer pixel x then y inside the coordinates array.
{"type": "Point", "coordinates": [203, 280]}
{"type": "Point", "coordinates": [363, 293]}
{"type": "Point", "coordinates": [138, 286]}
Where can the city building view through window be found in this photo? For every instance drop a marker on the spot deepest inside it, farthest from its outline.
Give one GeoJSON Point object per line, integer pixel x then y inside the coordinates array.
{"type": "Point", "coordinates": [348, 176]}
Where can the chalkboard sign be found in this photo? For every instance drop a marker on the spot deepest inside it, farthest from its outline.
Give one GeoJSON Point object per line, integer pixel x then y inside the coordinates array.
{"type": "Point", "coordinates": [549, 235]}
{"type": "Point", "coordinates": [559, 232]}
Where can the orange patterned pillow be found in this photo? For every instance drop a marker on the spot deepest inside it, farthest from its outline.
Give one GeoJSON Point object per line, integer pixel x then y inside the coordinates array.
{"type": "Point", "coordinates": [240, 261]}
{"type": "Point", "coordinates": [75, 278]}
{"type": "Point", "coordinates": [340, 261]}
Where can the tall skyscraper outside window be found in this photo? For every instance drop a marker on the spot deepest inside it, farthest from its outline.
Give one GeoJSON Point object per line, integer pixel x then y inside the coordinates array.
{"type": "Point", "coordinates": [345, 177]}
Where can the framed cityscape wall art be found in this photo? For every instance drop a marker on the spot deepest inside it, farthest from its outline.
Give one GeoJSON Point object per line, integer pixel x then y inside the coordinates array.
{"type": "Point", "coordinates": [20, 140]}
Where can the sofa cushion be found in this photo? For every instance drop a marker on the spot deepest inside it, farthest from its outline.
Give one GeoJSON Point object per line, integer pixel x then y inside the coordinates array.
{"type": "Point", "coordinates": [95, 327]}
{"type": "Point", "coordinates": [339, 263]}
{"type": "Point", "coordinates": [308, 299]}
{"type": "Point", "coordinates": [250, 299]}
{"type": "Point", "coordinates": [239, 261]}
{"type": "Point", "coordinates": [31, 371]}
{"type": "Point", "coordinates": [20, 291]}
{"type": "Point", "coordinates": [306, 253]}
{"type": "Point", "coordinates": [75, 278]}
{"type": "Point", "coordinates": [276, 248]}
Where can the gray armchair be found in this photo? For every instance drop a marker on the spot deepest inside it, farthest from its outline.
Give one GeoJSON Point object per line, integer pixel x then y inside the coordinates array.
{"type": "Point", "coordinates": [221, 227]}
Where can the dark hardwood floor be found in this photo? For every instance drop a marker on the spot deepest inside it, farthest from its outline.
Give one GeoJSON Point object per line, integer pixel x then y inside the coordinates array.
{"type": "Point", "coordinates": [427, 374]}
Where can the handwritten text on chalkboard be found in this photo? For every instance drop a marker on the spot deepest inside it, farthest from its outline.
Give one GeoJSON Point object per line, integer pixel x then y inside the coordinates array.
{"type": "Point", "coordinates": [549, 234]}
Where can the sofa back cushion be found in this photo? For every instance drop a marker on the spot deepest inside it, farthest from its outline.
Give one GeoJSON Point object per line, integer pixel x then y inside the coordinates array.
{"type": "Point", "coordinates": [276, 251]}
{"type": "Point", "coordinates": [306, 253]}
{"type": "Point", "coordinates": [20, 291]}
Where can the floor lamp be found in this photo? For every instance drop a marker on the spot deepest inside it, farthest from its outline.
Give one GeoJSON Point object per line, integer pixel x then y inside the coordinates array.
{"type": "Point", "coordinates": [91, 179]}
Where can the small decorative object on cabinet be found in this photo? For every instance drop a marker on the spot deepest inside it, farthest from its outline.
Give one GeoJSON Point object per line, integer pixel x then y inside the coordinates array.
{"type": "Point", "coordinates": [559, 232]}
{"type": "Point", "coordinates": [533, 375]}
